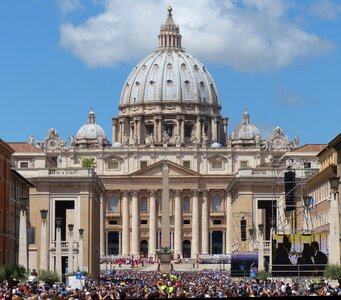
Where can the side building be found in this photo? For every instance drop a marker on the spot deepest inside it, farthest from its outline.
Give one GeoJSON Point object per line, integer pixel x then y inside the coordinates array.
{"type": "Point", "coordinates": [65, 201]}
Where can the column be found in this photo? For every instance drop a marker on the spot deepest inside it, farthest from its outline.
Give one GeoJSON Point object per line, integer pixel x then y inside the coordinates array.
{"type": "Point", "coordinates": [43, 241]}
{"type": "Point", "coordinates": [204, 223]}
{"type": "Point", "coordinates": [114, 130]}
{"type": "Point", "coordinates": [125, 224]}
{"type": "Point", "coordinates": [103, 249]}
{"type": "Point", "coordinates": [158, 240]}
{"type": "Point", "coordinates": [152, 223]}
{"type": "Point", "coordinates": [135, 238]}
{"type": "Point", "coordinates": [260, 249]}
{"type": "Point", "coordinates": [23, 260]}
{"type": "Point", "coordinates": [198, 129]}
{"type": "Point", "coordinates": [334, 235]}
{"type": "Point", "coordinates": [172, 240]}
{"type": "Point", "coordinates": [155, 130]}
{"type": "Point", "coordinates": [228, 212]}
{"type": "Point", "coordinates": [177, 223]}
{"type": "Point", "coordinates": [139, 130]}
{"type": "Point", "coordinates": [195, 225]}
{"type": "Point", "coordinates": [59, 251]}
{"type": "Point", "coordinates": [70, 249]}
{"type": "Point", "coordinates": [182, 135]}
{"type": "Point", "coordinates": [225, 122]}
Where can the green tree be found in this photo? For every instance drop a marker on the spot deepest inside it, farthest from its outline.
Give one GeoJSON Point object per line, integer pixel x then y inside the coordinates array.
{"type": "Point", "coordinates": [13, 274]}
{"type": "Point", "coordinates": [48, 276]}
{"type": "Point", "coordinates": [333, 272]}
{"type": "Point", "coordinates": [88, 162]}
{"type": "Point", "coordinates": [263, 275]}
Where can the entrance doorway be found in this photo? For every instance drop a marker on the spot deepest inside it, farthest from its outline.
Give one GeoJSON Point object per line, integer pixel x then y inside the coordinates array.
{"type": "Point", "coordinates": [113, 243]}
{"type": "Point", "coordinates": [217, 242]}
{"type": "Point", "coordinates": [144, 248]}
{"type": "Point", "coordinates": [186, 249]}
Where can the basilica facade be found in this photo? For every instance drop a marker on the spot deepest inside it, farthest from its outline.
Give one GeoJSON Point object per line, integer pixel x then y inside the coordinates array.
{"type": "Point", "coordinates": [221, 185]}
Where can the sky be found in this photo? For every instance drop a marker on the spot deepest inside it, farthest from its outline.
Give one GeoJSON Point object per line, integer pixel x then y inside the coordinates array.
{"type": "Point", "coordinates": [279, 59]}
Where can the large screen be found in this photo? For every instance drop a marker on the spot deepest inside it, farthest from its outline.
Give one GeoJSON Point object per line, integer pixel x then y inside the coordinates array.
{"type": "Point", "coordinates": [299, 254]}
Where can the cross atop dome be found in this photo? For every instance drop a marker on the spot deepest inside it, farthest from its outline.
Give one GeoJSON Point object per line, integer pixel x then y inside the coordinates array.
{"type": "Point", "coordinates": [169, 37]}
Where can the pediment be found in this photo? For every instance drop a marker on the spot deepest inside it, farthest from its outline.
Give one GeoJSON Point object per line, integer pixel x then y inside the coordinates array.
{"type": "Point", "coordinates": [156, 170]}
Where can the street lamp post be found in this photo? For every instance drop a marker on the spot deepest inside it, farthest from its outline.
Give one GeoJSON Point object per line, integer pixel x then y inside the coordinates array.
{"type": "Point", "coordinates": [260, 247]}
{"type": "Point", "coordinates": [81, 241]}
{"type": "Point", "coordinates": [43, 240]}
{"type": "Point", "coordinates": [23, 259]}
{"type": "Point", "coordinates": [59, 246]}
{"type": "Point", "coordinates": [334, 215]}
{"type": "Point", "coordinates": [70, 256]}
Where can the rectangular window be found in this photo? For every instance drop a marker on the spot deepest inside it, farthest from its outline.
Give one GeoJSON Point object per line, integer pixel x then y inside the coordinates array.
{"type": "Point", "coordinates": [169, 130]}
{"type": "Point", "coordinates": [143, 205]}
{"type": "Point", "coordinates": [113, 165]}
{"type": "Point", "coordinates": [186, 164]}
{"type": "Point", "coordinates": [307, 165]}
{"type": "Point", "coordinates": [144, 222]}
{"type": "Point", "coordinates": [188, 131]}
{"type": "Point", "coordinates": [243, 230]}
{"type": "Point", "coordinates": [243, 163]}
{"type": "Point", "coordinates": [216, 222]}
{"type": "Point", "coordinates": [113, 222]}
{"type": "Point", "coordinates": [24, 164]}
{"type": "Point", "coordinates": [187, 222]}
{"type": "Point", "coordinates": [216, 164]}
{"type": "Point", "coordinates": [143, 164]}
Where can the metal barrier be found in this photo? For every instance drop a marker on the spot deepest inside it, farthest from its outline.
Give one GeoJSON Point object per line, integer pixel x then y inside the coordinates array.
{"type": "Point", "coordinates": [299, 270]}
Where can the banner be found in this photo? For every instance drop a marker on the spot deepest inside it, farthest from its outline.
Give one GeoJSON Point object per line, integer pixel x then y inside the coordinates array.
{"type": "Point", "coordinates": [299, 254]}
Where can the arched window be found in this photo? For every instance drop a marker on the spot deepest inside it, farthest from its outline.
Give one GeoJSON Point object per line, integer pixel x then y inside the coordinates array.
{"type": "Point", "coordinates": [216, 204]}
{"type": "Point", "coordinates": [143, 204]}
{"type": "Point", "coordinates": [113, 203]}
{"type": "Point", "coordinates": [186, 205]}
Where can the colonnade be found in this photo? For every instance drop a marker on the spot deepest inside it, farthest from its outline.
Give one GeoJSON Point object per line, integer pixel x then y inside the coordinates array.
{"type": "Point", "coordinates": [197, 232]}
{"type": "Point", "coordinates": [135, 127]}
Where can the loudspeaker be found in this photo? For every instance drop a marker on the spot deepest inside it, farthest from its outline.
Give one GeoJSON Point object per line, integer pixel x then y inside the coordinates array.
{"type": "Point", "coordinates": [289, 186]}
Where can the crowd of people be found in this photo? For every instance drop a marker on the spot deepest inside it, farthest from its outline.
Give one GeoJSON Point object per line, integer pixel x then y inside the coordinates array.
{"type": "Point", "coordinates": [129, 284]}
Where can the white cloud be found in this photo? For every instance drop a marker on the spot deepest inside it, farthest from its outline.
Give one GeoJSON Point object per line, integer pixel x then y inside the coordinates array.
{"type": "Point", "coordinates": [250, 35]}
{"type": "Point", "coordinates": [288, 98]}
{"type": "Point", "coordinates": [326, 9]}
{"type": "Point", "coordinates": [67, 6]}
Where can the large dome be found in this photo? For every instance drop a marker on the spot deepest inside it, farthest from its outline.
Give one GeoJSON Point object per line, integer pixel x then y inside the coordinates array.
{"type": "Point", "coordinates": [169, 93]}
{"type": "Point", "coordinates": [91, 130]}
{"type": "Point", "coordinates": [169, 74]}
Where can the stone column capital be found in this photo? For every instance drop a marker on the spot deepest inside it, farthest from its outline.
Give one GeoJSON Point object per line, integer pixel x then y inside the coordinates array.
{"type": "Point", "coordinates": [195, 193]}
{"type": "Point", "coordinates": [153, 193]}
{"type": "Point", "coordinates": [134, 193]}
{"type": "Point", "coordinates": [177, 193]}
{"type": "Point", "coordinates": [205, 193]}
{"type": "Point", "coordinates": [125, 193]}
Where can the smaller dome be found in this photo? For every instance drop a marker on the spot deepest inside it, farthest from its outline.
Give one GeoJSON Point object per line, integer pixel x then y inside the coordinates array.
{"type": "Point", "coordinates": [91, 130]}
{"type": "Point", "coordinates": [215, 145]}
{"type": "Point", "coordinates": [245, 131]}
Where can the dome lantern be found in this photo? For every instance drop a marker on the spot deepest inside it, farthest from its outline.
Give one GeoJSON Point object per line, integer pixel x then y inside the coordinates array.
{"type": "Point", "coordinates": [170, 36]}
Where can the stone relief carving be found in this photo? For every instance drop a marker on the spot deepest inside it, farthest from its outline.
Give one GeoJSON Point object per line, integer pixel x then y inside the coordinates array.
{"type": "Point", "coordinates": [52, 142]}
